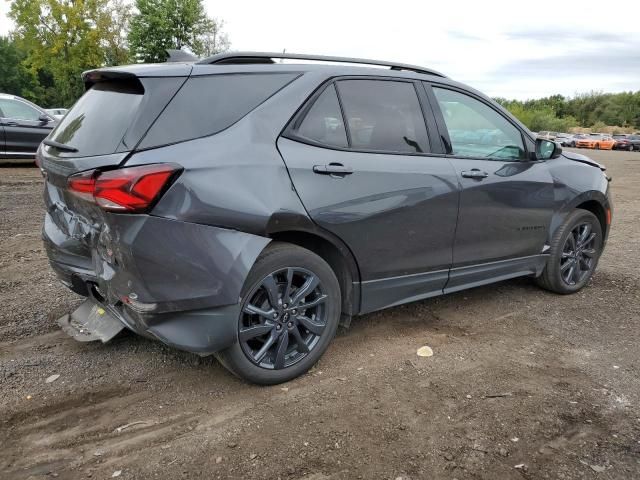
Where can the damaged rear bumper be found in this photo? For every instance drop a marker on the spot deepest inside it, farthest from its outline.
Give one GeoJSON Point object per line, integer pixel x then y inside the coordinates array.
{"type": "Point", "coordinates": [203, 331]}
{"type": "Point", "coordinates": [174, 281]}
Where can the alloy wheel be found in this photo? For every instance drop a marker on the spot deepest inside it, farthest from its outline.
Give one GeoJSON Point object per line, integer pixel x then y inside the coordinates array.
{"type": "Point", "coordinates": [578, 254]}
{"type": "Point", "coordinates": [283, 318]}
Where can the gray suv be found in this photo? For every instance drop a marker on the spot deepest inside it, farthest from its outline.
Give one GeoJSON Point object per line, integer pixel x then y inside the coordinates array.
{"type": "Point", "coordinates": [244, 207]}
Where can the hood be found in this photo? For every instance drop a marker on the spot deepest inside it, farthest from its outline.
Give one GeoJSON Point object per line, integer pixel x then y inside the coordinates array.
{"type": "Point", "coordinates": [577, 157]}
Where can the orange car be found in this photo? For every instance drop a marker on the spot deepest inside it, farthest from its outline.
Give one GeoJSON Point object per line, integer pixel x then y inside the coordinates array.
{"type": "Point", "coordinates": [599, 142]}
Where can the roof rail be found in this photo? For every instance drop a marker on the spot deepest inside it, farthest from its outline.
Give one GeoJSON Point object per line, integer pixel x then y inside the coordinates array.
{"type": "Point", "coordinates": [238, 58]}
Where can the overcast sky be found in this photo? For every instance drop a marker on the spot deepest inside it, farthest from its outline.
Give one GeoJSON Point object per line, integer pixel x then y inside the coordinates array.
{"type": "Point", "coordinates": [505, 48]}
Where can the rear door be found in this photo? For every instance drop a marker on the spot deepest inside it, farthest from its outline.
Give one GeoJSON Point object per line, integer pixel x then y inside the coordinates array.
{"type": "Point", "coordinates": [360, 158]}
{"type": "Point", "coordinates": [506, 201]}
{"type": "Point", "coordinates": [22, 126]}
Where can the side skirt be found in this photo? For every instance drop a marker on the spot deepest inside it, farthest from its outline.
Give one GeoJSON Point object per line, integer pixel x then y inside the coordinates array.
{"type": "Point", "coordinates": [390, 292]}
{"type": "Point", "coordinates": [461, 278]}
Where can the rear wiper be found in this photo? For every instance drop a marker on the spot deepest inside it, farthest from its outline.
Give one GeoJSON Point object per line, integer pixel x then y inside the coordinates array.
{"type": "Point", "coordinates": [60, 146]}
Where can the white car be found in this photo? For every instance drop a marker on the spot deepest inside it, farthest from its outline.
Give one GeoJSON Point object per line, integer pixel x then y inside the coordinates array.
{"type": "Point", "coordinates": [57, 112]}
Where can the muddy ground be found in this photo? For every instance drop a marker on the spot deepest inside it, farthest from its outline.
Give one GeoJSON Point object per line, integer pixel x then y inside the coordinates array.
{"type": "Point", "coordinates": [523, 383]}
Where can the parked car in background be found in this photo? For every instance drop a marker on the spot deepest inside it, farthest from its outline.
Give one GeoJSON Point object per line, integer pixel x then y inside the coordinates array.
{"type": "Point", "coordinates": [548, 135]}
{"type": "Point", "coordinates": [596, 141]}
{"type": "Point", "coordinates": [243, 207]}
{"type": "Point", "coordinates": [627, 142]}
{"type": "Point", "coordinates": [565, 140]}
{"type": "Point", "coordinates": [23, 125]}
{"type": "Point", "coordinates": [58, 113]}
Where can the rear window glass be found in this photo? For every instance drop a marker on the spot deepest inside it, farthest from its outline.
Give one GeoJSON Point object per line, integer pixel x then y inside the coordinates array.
{"type": "Point", "coordinates": [323, 123]}
{"type": "Point", "coordinates": [208, 104]}
{"type": "Point", "coordinates": [99, 120]}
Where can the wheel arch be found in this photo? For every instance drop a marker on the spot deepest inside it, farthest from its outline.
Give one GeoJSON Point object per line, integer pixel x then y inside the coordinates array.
{"type": "Point", "coordinates": [336, 254]}
{"type": "Point", "coordinates": [593, 201]}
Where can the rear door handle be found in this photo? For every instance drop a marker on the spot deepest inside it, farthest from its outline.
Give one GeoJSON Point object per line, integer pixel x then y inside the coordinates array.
{"type": "Point", "coordinates": [332, 169]}
{"type": "Point", "coordinates": [474, 173]}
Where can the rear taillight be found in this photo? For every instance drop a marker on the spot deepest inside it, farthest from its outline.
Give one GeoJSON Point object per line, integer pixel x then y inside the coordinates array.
{"type": "Point", "coordinates": [130, 190]}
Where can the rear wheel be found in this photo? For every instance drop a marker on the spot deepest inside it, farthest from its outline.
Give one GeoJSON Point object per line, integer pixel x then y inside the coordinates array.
{"type": "Point", "coordinates": [290, 312]}
{"type": "Point", "coordinates": [575, 251]}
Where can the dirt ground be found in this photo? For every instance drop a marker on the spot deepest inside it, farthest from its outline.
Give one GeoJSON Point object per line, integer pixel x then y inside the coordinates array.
{"type": "Point", "coordinates": [523, 383]}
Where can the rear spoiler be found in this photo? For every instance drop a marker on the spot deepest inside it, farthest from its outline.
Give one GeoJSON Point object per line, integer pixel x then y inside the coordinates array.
{"type": "Point", "coordinates": [136, 71]}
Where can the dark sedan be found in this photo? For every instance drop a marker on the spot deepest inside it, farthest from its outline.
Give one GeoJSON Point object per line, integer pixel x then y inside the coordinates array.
{"type": "Point", "coordinates": [626, 142]}
{"type": "Point", "coordinates": [23, 125]}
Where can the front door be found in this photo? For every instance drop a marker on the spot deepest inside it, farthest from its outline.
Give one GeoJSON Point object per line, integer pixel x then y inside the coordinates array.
{"type": "Point", "coordinates": [22, 126]}
{"type": "Point", "coordinates": [506, 199]}
{"type": "Point", "coordinates": [372, 181]}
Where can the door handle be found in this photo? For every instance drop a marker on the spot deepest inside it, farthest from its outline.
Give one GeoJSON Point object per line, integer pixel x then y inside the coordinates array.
{"type": "Point", "coordinates": [11, 124]}
{"type": "Point", "coordinates": [337, 169]}
{"type": "Point", "coordinates": [474, 173]}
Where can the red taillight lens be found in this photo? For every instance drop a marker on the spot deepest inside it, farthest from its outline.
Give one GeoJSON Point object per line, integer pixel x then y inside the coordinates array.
{"type": "Point", "coordinates": [131, 190]}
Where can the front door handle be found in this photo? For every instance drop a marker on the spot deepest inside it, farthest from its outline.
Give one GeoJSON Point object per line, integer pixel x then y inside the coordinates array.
{"type": "Point", "coordinates": [474, 173]}
{"type": "Point", "coordinates": [337, 169]}
{"type": "Point", "coordinates": [11, 124]}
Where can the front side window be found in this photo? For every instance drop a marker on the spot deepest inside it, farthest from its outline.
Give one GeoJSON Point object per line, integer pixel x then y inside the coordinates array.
{"type": "Point", "coordinates": [476, 130]}
{"type": "Point", "coordinates": [383, 116]}
{"type": "Point", "coordinates": [323, 122]}
{"type": "Point", "coordinates": [18, 110]}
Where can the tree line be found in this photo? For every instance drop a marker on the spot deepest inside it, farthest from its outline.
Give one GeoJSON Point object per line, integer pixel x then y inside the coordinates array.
{"type": "Point", "coordinates": [54, 41]}
{"type": "Point", "coordinates": [595, 111]}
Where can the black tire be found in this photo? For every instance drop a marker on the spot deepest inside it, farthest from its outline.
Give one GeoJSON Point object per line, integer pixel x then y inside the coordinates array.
{"type": "Point", "coordinates": [554, 275]}
{"type": "Point", "coordinates": [597, 146]}
{"type": "Point", "coordinates": [276, 262]}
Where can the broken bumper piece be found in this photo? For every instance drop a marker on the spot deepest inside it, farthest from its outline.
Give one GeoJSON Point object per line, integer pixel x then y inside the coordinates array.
{"type": "Point", "coordinates": [90, 322]}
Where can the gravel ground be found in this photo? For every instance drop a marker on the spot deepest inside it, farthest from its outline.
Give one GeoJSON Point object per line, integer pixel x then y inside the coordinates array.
{"type": "Point", "coordinates": [523, 383]}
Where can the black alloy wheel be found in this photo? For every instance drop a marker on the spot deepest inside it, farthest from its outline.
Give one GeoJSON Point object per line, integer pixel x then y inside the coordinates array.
{"type": "Point", "coordinates": [578, 254]}
{"type": "Point", "coordinates": [283, 318]}
{"type": "Point", "coordinates": [575, 250]}
{"type": "Point", "coordinates": [288, 314]}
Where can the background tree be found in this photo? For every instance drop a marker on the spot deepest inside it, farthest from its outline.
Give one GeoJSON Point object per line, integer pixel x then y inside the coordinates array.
{"type": "Point", "coordinates": [62, 38]}
{"type": "Point", "coordinates": [173, 24]}
{"type": "Point", "coordinates": [14, 77]}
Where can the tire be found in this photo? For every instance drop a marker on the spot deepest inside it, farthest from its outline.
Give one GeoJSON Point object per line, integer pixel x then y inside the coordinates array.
{"type": "Point", "coordinates": [555, 273]}
{"type": "Point", "coordinates": [268, 358]}
{"type": "Point", "coordinates": [597, 146]}
{"type": "Point", "coordinates": [631, 148]}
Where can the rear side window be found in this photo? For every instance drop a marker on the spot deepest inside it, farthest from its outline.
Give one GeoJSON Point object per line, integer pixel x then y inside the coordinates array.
{"type": "Point", "coordinates": [323, 122]}
{"type": "Point", "coordinates": [98, 121]}
{"type": "Point", "coordinates": [208, 104]}
{"type": "Point", "coordinates": [383, 116]}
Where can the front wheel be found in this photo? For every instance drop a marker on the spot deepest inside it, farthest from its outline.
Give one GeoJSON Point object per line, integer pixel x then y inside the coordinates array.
{"type": "Point", "coordinates": [291, 305]}
{"type": "Point", "coordinates": [574, 254]}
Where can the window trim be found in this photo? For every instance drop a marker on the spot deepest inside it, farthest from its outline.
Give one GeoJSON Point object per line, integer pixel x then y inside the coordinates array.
{"type": "Point", "coordinates": [444, 131]}
{"type": "Point", "coordinates": [290, 130]}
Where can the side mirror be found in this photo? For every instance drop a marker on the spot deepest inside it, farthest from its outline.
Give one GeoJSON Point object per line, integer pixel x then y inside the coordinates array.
{"type": "Point", "coordinates": [547, 149]}
{"type": "Point", "coordinates": [44, 118]}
